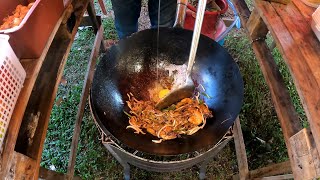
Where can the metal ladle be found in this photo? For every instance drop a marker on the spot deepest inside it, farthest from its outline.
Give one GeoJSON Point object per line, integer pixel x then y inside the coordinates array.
{"type": "Point", "coordinates": [186, 90]}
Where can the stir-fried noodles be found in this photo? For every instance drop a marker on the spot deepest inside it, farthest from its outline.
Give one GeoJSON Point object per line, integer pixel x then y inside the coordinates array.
{"type": "Point", "coordinates": [185, 117]}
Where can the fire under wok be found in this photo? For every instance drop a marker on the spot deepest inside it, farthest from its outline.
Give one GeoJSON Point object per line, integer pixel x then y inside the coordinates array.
{"type": "Point", "coordinates": [131, 66]}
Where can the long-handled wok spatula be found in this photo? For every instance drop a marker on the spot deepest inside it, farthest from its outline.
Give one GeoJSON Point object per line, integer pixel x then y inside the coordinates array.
{"type": "Point", "coordinates": [187, 89]}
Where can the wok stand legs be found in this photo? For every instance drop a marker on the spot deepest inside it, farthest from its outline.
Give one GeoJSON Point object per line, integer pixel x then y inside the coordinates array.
{"type": "Point", "coordinates": [126, 159]}
{"type": "Point", "coordinates": [126, 171]}
{"type": "Point", "coordinates": [124, 164]}
{"type": "Point", "coordinates": [203, 169]}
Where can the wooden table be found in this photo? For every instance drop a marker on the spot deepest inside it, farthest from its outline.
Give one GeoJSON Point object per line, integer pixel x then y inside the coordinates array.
{"type": "Point", "coordinates": [290, 27]}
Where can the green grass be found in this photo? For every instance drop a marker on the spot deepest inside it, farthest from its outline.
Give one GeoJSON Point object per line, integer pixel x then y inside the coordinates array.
{"type": "Point", "coordinates": [258, 118]}
{"type": "Point", "coordinates": [110, 32]}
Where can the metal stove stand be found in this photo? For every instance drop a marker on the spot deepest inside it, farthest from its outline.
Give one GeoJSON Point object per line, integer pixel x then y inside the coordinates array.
{"type": "Point", "coordinates": [126, 158]}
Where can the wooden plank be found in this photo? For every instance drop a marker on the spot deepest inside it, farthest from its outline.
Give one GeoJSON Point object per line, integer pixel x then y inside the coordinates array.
{"type": "Point", "coordinates": [92, 14]}
{"type": "Point", "coordinates": [32, 67]}
{"type": "Point", "coordinates": [278, 177]}
{"type": "Point", "coordinates": [21, 167]}
{"type": "Point", "coordinates": [240, 151]}
{"type": "Point", "coordinates": [30, 123]}
{"type": "Point", "coordinates": [305, 10]}
{"type": "Point", "coordinates": [304, 67]}
{"type": "Point", "coordinates": [243, 10]}
{"type": "Point", "coordinates": [271, 170]}
{"type": "Point", "coordinates": [302, 35]}
{"type": "Point", "coordinates": [96, 23]}
{"type": "Point", "coordinates": [31, 129]}
{"type": "Point", "coordinates": [85, 92]}
{"type": "Point", "coordinates": [47, 85]}
{"type": "Point", "coordinates": [280, 1]}
{"type": "Point", "coordinates": [46, 174]}
{"type": "Point", "coordinates": [309, 47]}
{"type": "Point", "coordinates": [288, 118]}
{"type": "Point", "coordinates": [37, 147]}
{"type": "Point", "coordinates": [287, 115]}
{"type": "Point", "coordinates": [103, 7]}
{"type": "Point", "coordinates": [256, 27]}
{"type": "Point", "coordinates": [305, 155]}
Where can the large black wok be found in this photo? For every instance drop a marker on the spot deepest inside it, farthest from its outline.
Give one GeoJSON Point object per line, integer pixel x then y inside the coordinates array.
{"type": "Point", "coordinates": [130, 66]}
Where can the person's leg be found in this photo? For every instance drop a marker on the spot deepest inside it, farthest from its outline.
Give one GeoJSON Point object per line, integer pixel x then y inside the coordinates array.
{"type": "Point", "coordinates": [126, 14]}
{"type": "Point", "coordinates": [167, 12]}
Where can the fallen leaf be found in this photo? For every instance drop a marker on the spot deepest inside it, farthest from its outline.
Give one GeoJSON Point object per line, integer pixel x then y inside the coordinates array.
{"type": "Point", "coordinates": [63, 81]}
{"type": "Point", "coordinates": [58, 102]}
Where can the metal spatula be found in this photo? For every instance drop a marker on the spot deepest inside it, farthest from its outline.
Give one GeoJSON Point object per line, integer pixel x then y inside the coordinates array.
{"type": "Point", "coordinates": [187, 89]}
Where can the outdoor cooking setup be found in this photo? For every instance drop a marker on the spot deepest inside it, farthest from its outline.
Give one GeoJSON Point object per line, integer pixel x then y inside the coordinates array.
{"type": "Point", "coordinates": [33, 56]}
{"type": "Point", "coordinates": [116, 75]}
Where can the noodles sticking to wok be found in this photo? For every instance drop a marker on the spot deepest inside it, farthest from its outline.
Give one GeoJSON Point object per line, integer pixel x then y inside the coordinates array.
{"type": "Point", "coordinates": [185, 117]}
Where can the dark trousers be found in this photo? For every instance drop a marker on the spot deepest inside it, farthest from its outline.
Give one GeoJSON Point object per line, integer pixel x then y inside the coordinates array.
{"type": "Point", "coordinates": [127, 13]}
